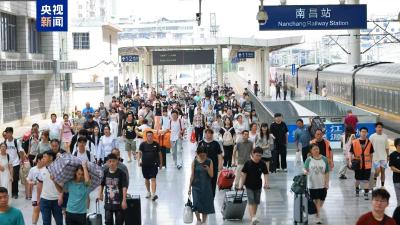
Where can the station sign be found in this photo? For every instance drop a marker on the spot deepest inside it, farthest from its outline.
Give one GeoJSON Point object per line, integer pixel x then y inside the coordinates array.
{"type": "Point", "coordinates": [129, 58]}
{"type": "Point", "coordinates": [245, 55]}
{"type": "Point", "coordinates": [183, 57]}
{"type": "Point", "coordinates": [51, 15]}
{"type": "Point", "coordinates": [293, 69]}
{"type": "Point", "coordinates": [315, 17]}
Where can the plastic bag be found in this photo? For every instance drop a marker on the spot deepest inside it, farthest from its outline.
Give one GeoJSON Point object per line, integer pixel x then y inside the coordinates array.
{"type": "Point", "coordinates": [298, 158]}
{"type": "Point", "coordinates": [188, 212]}
{"type": "Point", "coordinates": [193, 137]}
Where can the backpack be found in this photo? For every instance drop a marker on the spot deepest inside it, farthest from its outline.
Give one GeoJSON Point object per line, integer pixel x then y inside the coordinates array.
{"type": "Point", "coordinates": [87, 154]}
{"type": "Point", "coordinates": [16, 147]}
{"type": "Point", "coordinates": [316, 123]}
{"type": "Point", "coordinates": [299, 185]}
{"type": "Point", "coordinates": [227, 138]}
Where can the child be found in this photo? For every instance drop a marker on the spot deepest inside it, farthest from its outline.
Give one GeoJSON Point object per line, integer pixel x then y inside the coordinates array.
{"type": "Point", "coordinates": [251, 178]}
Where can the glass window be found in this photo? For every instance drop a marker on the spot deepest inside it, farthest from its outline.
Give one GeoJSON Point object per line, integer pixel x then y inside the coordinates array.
{"type": "Point", "coordinates": [34, 37]}
{"type": "Point", "coordinates": [8, 32]}
{"type": "Point", "coordinates": [106, 86]}
{"type": "Point", "coordinates": [12, 107]}
{"type": "Point", "coordinates": [37, 96]}
{"type": "Point", "coordinates": [81, 40]}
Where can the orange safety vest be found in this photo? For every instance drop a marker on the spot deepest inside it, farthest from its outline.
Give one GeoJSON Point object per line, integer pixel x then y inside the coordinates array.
{"type": "Point", "coordinates": [358, 151]}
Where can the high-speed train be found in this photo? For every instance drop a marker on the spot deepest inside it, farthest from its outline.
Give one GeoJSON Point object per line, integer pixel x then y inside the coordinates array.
{"type": "Point", "coordinates": [374, 85]}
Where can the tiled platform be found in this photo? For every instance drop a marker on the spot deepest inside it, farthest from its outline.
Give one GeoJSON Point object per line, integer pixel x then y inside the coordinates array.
{"type": "Point", "coordinates": [341, 206]}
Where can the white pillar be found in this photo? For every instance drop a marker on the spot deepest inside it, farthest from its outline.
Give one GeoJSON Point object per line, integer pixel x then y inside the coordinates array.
{"type": "Point", "coordinates": [219, 68]}
{"type": "Point", "coordinates": [25, 100]}
{"type": "Point", "coordinates": [354, 42]}
{"type": "Point", "coordinates": [266, 75]}
{"type": "Point", "coordinates": [148, 72]}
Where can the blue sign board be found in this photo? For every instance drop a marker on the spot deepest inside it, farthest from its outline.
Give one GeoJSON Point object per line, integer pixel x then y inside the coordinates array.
{"type": "Point", "coordinates": [334, 132]}
{"type": "Point", "coordinates": [315, 17]}
{"type": "Point", "coordinates": [293, 69]}
{"type": "Point", "coordinates": [51, 15]}
{"type": "Point", "coordinates": [245, 55]}
{"type": "Point", "coordinates": [129, 58]}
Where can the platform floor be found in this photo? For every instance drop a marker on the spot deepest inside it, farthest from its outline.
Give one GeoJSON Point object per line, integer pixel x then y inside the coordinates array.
{"type": "Point", "coordinates": [276, 208]}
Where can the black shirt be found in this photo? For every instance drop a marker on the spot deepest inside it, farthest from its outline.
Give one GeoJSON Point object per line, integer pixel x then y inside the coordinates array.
{"type": "Point", "coordinates": [394, 160]}
{"type": "Point", "coordinates": [90, 125]}
{"type": "Point", "coordinates": [150, 154]}
{"type": "Point", "coordinates": [322, 147]}
{"type": "Point", "coordinates": [113, 184]}
{"type": "Point", "coordinates": [129, 128]}
{"type": "Point", "coordinates": [253, 173]}
{"type": "Point", "coordinates": [158, 108]}
{"type": "Point", "coordinates": [279, 131]}
{"type": "Point", "coordinates": [213, 150]}
{"type": "Point", "coordinates": [218, 107]}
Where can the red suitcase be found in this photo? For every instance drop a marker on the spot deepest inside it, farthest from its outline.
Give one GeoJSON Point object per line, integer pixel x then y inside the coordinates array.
{"type": "Point", "coordinates": [226, 179]}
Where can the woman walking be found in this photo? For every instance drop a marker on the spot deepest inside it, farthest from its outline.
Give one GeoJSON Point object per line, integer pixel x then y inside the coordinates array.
{"type": "Point", "coordinates": [265, 141]}
{"type": "Point", "coordinates": [113, 118]}
{"type": "Point", "coordinates": [200, 186]}
{"type": "Point", "coordinates": [228, 141]}
{"type": "Point", "coordinates": [316, 168]}
{"type": "Point", "coordinates": [6, 168]}
{"type": "Point", "coordinates": [66, 132]}
{"type": "Point", "coordinates": [347, 139]}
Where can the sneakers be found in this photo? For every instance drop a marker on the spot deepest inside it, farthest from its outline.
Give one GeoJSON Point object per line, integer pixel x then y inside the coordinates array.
{"type": "Point", "coordinates": [148, 195]}
{"type": "Point", "coordinates": [278, 170]}
{"type": "Point", "coordinates": [179, 167]}
{"type": "Point", "coordinates": [357, 193]}
{"type": "Point", "coordinates": [155, 197]}
{"type": "Point", "coordinates": [285, 170]}
{"type": "Point", "coordinates": [254, 221]}
{"type": "Point", "coordinates": [342, 177]}
{"type": "Point", "coordinates": [366, 197]}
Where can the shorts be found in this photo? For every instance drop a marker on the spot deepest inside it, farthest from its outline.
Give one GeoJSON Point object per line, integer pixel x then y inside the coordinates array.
{"type": "Point", "coordinates": [266, 159]}
{"type": "Point", "coordinates": [362, 174]}
{"type": "Point", "coordinates": [149, 172]}
{"type": "Point", "coordinates": [380, 164]}
{"type": "Point", "coordinates": [130, 145]}
{"type": "Point", "coordinates": [318, 194]}
{"type": "Point", "coordinates": [253, 196]}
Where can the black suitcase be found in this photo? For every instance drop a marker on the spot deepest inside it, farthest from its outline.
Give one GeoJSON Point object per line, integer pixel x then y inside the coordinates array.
{"type": "Point", "coordinates": [94, 218]}
{"type": "Point", "coordinates": [234, 205]}
{"type": "Point", "coordinates": [133, 212]}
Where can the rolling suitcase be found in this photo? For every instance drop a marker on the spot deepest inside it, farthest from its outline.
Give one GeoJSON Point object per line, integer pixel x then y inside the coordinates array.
{"type": "Point", "coordinates": [133, 212]}
{"type": "Point", "coordinates": [226, 179]}
{"type": "Point", "coordinates": [95, 218]}
{"type": "Point", "coordinates": [234, 205]}
{"type": "Point", "coordinates": [300, 211]}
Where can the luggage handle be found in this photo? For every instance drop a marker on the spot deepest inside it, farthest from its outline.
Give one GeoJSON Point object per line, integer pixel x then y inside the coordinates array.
{"type": "Point", "coordinates": [236, 199]}
{"type": "Point", "coordinates": [97, 206]}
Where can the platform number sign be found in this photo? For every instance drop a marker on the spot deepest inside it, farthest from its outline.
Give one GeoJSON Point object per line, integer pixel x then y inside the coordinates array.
{"type": "Point", "coordinates": [245, 55]}
{"type": "Point", "coordinates": [130, 58]}
{"type": "Point", "coordinates": [51, 15]}
{"type": "Point", "coordinates": [293, 69]}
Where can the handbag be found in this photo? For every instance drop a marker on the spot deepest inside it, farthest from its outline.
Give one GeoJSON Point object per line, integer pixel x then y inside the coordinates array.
{"type": "Point", "coordinates": [355, 164]}
{"type": "Point", "coordinates": [188, 212]}
{"type": "Point", "coordinates": [298, 157]}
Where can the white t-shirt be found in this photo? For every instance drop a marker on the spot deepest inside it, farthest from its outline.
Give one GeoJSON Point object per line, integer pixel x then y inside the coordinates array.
{"type": "Point", "coordinates": [33, 175]}
{"type": "Point", "coordinates": [84, 156]}
{"type": "Point", "coordinates": [49, 190]}
{"type": "Point", "coordinates": [13, 152]}
{"type": "Point", "coordinates": [380, 144]}
{"type": "Point", "coordinates": [165, 122]}
{"type": "Point", "coordinates": [54, 130]}
{"type": "Point", "coordinates": [175, 129]}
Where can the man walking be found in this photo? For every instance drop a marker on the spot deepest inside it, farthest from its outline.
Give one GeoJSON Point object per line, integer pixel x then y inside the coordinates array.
{"type": "Point", "coordinates": [280, 132]}
{"type": "Point", "coordinates": [302, 138]}
{"type": "Point", "coordinates": [150, 158]}
{"type": "Point", "coordinates": [177, 131]}
{"type": "Point", "coordinates": [380, 143]}
{"type": "Point", "coordinates": [242, 150]}
{"type": "Point", "coordinates": [16, 154]}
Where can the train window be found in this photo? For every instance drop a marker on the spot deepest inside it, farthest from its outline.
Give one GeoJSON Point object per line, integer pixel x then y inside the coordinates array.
{"type": "Point", "coordinates": [396, 100]}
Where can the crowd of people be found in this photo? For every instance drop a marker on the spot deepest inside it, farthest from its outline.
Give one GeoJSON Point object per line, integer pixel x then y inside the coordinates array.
{"type": "Point", "coordinates": [227, 132]}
